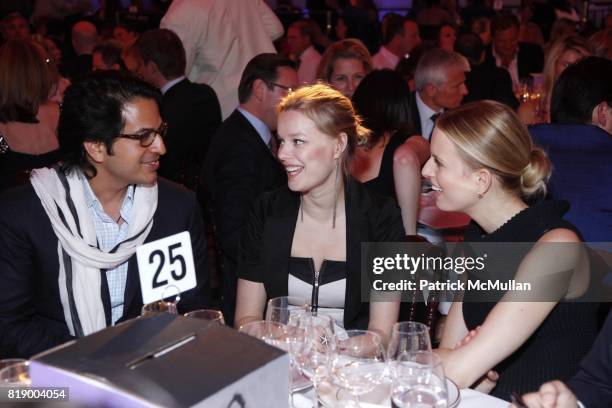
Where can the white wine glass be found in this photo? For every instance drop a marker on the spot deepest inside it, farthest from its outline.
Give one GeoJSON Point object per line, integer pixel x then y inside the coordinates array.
{"type": "Point", "coordinates": [286, 309]}
{"type": "Point", "coordinates": [419, 381]}
{"type": "Point", "coordinates": [357, 363]}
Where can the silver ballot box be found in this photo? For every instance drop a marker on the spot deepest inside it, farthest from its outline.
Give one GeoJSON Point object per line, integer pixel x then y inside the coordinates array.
{"type": "Point", "coordinates": [167, 361]}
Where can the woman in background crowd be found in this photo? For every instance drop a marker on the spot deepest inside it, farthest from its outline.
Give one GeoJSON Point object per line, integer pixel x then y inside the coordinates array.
{"type": "Point", "coordinates": [390, 159]}
{"type": "Point", "coordinates": [344, 64]}
{"type": "Point", "coordinates": [28, 119]}
{"type": "Point", "coordinates": [563, 53]}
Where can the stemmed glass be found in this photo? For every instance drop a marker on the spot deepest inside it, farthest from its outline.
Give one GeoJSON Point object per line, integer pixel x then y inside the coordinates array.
{"type": "Point", "coordinates": [311, 351]}
{"type": "Point", "coordinates": [286, 309]}
{"type": "Point", "coordinates": [214, 316]}
{"type": "Point", "coordinates": [407, 337]}
{"type": "Point", "coordinates": [357, 362]}
{"type": "Point", "coordinates": [419, 381]}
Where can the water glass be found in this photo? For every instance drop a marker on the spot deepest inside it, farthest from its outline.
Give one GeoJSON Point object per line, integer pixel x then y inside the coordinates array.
{"type": "Point", "coordinates": [419, 381]}
{"type": "Point", "coordinates": [214, 316]}
{"type": "Point", "coordinates": [357, 362]}
{"type": "Point", "coordinates": [286, 309]}
{"type": "Point", "coordinates": [408, 337]}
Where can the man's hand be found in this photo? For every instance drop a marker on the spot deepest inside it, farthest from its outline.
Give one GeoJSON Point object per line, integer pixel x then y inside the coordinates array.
{"type": "Point", "coordinates": [553, 394]}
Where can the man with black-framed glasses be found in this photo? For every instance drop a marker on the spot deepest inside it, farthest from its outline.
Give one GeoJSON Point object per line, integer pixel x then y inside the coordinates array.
{"type": "Point", "coordinates": [68, 239]}
{"type": "Point", "coordinates": [241, 161]}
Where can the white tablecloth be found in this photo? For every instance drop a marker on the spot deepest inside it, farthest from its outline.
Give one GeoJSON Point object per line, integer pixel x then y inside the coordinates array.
{"type": "Point", "coordinates": [469, 399]}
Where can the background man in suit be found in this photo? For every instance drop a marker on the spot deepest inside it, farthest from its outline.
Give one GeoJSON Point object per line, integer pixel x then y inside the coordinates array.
{"type": "Point", "coordinates": [579, 144]}
{"type": "Point", "coordinates": [104, 202]}
{"type": "Point", "coordinates": [439, 81]}
{"type": "Point", "coordinates": [220, 37]}
{"type": "Point", "coordinates": [300, 43]}
{"type": "Point", "coordinates": [399, 37]}
{"type": "Point", "coordinates": [240, 164]}
{"type": "Point", "coordinates": [485, 81]}
{"type": "Point", "coordinates": [84, 39]}
{"type": "Point", "coordinates": [191, 111]}
{"type": "Point", "coordinates": [519, 58]}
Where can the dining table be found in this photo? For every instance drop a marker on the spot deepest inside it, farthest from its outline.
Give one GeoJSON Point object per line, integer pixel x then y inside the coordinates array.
{"type": "Point", "coordinates": [467, 398]}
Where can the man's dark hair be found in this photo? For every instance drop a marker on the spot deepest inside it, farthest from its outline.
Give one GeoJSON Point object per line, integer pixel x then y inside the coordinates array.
{"type": "Point", "coordinates": [382, 99]}
{"type": "Point", "coordinates": [306, 29]}
{"type": "Point", "coordinates": [111, 53]}
{"type": "Point", "coordinates": [503, 22]}
{"type": "Point", "coordinates": [470, 45]}
{"type": "Point", "coordinates": [579, 89]}
{"type": "Point", "coordinates": [392, 25]}
{"type": "Point", "coordinates": [165, 49]}
{"type": "Point", "coordinates": [92, 110]}
{"type": "Point", "coordinates": [263, 66]}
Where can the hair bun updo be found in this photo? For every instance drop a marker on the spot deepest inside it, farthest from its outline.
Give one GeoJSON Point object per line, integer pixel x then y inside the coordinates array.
{"type": "Point", "coordinates": [536, 173]}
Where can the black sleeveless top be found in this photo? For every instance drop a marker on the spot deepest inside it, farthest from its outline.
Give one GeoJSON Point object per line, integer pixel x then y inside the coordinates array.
{"type": "Point", "coordinates": [15, 167]}
{"type": "Point", "coordinates": [555, 349]}
{"type": "Point", "coordinates": [383, 183]}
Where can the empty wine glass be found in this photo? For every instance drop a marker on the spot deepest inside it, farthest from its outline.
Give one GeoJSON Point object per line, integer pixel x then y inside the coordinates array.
{"type": "Point", "coordinates": [357, 362]}
{"type": "Point", "coordinates": [211, 315]}
{"type": "Point", "coordinates": [286, 309]}
{"type": "Point", "coordinates": [419, 381]}
{"type": "Point", "coordinates": [407, 337]}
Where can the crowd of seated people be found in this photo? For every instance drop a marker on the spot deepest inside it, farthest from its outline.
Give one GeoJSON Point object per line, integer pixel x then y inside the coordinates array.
{"type": "Point", "coordinates": [295, 144]}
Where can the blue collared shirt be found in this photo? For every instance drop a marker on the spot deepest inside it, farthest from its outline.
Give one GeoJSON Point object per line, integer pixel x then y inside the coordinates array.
{"type": "Point", "coordinates": [109, 234]}
{"type": "Point", "coordinates": [261, 128]}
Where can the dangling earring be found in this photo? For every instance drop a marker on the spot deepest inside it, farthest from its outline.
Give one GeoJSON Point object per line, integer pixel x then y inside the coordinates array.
{"type": "Point", "coordinates": [335, 194]}
{"type": "Point", "coordinates": [301, 209]}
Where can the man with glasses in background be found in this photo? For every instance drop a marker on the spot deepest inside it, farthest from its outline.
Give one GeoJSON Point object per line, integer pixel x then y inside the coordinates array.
{"type": "Point", "coordinates": [241, 162]}
{"type": "Point", "coordinates": [68, 239]}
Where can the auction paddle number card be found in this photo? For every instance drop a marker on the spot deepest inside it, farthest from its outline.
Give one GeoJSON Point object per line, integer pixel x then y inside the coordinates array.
{"type": "Point", "coordinates": [164, 263]}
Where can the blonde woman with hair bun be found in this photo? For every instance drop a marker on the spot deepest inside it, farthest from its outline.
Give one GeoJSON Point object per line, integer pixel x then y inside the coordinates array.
{"type": "Point", "coordinates": [304, 239]}
{"type": "Point", "coordinates": [483, 163]}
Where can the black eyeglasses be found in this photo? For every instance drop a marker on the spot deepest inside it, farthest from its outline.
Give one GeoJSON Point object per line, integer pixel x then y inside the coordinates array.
{"type": "Point", "coordinates": [147, 136]}
{"type": "Point", "coordinates": [286, 88]}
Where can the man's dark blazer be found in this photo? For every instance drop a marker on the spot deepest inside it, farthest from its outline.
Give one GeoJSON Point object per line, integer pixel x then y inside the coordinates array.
{"type": "Point", "coordinates": [266, 243]}
{"type": "Point", "coordinates": [593, 382]}
{"type": "Point", "coordinates": [415, 118]}
{"type": "Point", "coordinates": [193, 115]}
{"type": "Point", "coordinates": [31, 314]}
{"type": "Point", "coordinates": [76, 66]}
{"type": "Point", "coordinates": [238, 168]}
{"type": "Point", "coordinates": [530, 59]}
{"type": "Point", "coordinates": [580, 155]}
{"type": "Point", "coordinates": [486, 81]}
